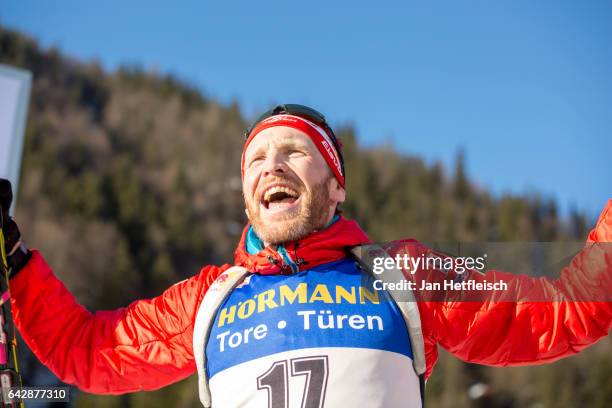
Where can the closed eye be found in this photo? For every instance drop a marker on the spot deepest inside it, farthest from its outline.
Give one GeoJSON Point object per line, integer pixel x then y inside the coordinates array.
{"type": "Point", "coordinates": [297, 153]}
{"type": "Point", "coordinates": [256, 160]}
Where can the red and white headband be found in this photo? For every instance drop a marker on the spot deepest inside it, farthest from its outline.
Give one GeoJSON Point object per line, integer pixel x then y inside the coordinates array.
{"type": "Point", "coordinates": [321, 139]}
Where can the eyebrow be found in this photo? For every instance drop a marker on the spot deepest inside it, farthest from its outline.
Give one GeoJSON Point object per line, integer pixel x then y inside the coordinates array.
{"type": "Point", "coordinates": [293, 143]}
{"type": "Point", "coordinates": [285, 144]}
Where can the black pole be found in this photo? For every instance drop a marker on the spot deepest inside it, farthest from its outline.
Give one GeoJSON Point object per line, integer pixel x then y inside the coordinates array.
{"type": "Point", "coordinates": [9, 368]}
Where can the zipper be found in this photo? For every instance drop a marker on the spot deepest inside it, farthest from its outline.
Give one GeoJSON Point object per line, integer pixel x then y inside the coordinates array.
{"type": "Point", "coordinates": [287, 258]}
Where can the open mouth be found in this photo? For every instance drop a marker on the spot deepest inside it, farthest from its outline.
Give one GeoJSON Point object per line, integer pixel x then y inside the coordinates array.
{"type": "Point", "coordinates": [279, 197]}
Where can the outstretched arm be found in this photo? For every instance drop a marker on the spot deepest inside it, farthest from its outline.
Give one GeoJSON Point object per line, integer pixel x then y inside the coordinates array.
{"type": "Point", "coordinates": [144, 346]}
{"type": "Point", "coordinates": [546, 319]}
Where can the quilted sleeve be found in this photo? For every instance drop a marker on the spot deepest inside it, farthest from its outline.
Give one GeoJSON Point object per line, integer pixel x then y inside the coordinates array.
{"type": "Point", "coordinates": [144, 346]}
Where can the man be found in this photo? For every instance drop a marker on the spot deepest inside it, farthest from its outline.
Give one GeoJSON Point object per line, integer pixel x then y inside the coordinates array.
{"type": "Point", "coordinates": [300, 327]}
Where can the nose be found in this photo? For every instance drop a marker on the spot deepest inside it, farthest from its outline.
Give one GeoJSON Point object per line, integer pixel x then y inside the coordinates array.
{"type": "Point", "coordinates": [275, 163]}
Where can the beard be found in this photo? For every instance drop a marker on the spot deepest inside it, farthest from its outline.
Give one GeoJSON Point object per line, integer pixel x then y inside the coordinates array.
{"type": "Point", "coordinates": [311, 214]}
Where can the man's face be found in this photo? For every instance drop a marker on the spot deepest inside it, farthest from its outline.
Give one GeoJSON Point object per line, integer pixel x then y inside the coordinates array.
{"type": "Point", "coordinates": [289, 191]}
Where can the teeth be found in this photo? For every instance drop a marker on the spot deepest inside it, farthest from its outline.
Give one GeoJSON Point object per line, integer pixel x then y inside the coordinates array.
{"type": "Point", "coordinates": [279, 189]}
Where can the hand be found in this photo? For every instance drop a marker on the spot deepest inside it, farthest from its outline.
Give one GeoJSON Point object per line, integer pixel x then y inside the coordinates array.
{"type": "Point", "coordinates": [6, 197]}
{"type": "Point", "coordinates": [9, 228]}
{"type": "Point", "coordinates": [17, 254]}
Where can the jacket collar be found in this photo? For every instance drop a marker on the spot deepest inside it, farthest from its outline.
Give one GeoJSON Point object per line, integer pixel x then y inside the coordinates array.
{"type": "Point", "coordinates": [327, 245]}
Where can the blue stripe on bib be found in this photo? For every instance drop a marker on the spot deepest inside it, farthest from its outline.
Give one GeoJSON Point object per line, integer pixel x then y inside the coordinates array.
{"type": "Point", "coordinates": [326, 306]}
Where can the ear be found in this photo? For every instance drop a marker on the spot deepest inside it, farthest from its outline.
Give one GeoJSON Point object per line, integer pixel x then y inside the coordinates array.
{"type": "Point", "coordinates": [246, 211]}
{"type": "Point", "coordinates": [337, 194]}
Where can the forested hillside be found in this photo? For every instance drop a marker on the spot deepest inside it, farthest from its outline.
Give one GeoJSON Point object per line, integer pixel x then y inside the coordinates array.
{"type": "Point", "coordinates": [131, 182]}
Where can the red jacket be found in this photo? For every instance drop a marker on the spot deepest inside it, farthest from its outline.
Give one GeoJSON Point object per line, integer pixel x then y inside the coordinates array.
{"type": "Point", "coordinates": [148, 344]}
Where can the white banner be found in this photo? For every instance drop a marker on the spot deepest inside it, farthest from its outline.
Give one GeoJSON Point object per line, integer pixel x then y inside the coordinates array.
{"type": "Point", "coordinates": [14, 96]}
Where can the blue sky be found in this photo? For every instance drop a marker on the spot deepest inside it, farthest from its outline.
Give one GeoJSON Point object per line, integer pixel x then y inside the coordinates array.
{"type": "Point", "coordinates": [525, 87]}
